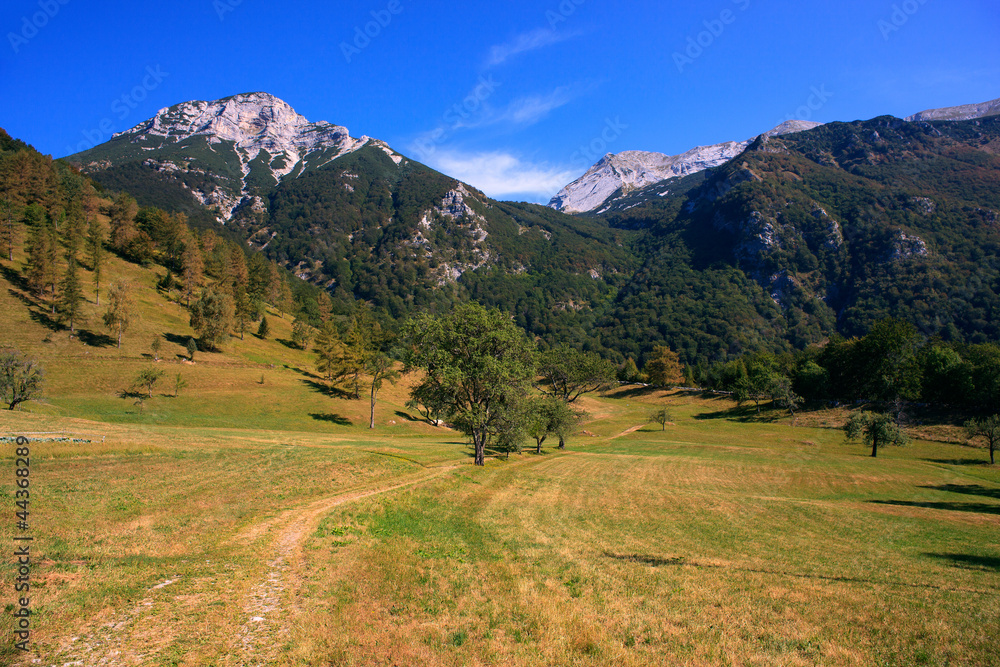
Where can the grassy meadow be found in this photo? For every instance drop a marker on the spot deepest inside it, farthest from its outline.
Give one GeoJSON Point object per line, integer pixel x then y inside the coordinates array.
{"type": "Point", "coordinates": [254, 519]}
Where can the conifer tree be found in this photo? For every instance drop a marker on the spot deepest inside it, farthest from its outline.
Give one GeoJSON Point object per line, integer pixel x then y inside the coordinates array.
{"type": "Point", "coordinates": [325, 304]}
{"type": "Point", "coordinates": [264, 330]}
{"type": "Point", "coordinates": [8, 227]}
{"type": "Point", "coordinates": [42, 254]}
{"type": "Point", "coordinates": [243, 309]}
{"type": "Point", "coordinates": [300, 332]}
{"type": "Point", "coordinates": [95, 250]}
{"type": "Point", "coordinates": [120, 312]}
{"type": "Point", "coordinates": [328, 349]}
{"type": "Point", "coordinates": [193, 270]}
{"type": "Point", "coordinates": [123, 228]}
{"type": "Point", "coordinates": [71, 296]}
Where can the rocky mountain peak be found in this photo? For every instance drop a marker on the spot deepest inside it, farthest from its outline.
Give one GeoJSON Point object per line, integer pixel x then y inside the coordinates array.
{"type": "Point", "coordinates": [258, 134]}
{"type": "Point", "coordinates": [630, 170]}
{"type": "Point", "coordinates": [252, 121]}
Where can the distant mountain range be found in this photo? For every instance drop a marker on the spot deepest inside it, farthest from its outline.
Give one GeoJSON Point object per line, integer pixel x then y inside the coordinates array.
{"type": "Point", "coordinates": [773, 243]}
{"type": "Point", "coordinates": [616, 176]}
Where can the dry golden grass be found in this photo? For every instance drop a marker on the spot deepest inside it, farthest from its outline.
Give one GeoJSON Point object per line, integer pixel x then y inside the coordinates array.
{"type": "Point", "coordinates": [262, 523]}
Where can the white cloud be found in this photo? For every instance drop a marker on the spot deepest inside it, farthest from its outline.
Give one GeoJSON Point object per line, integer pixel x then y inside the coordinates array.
{"type": "Point", "coordinates": [531, 109]}
{"type": "Point", "coordinates": [529, 41]}
{"type": "Point", "coordinates": [502, 175]}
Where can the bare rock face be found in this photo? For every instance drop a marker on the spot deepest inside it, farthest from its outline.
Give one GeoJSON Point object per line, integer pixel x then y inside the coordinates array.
{"type": "Point", "coordinates": [963, 112]}
{"type": "Point", "coordinates": [255, 124]}
{"type": "Point", "coordinates": [632, 170]}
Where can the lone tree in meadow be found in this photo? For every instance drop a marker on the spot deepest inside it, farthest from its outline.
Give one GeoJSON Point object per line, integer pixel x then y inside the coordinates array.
{"type": "Point", "coordinates": [192, 347]}
{"type": "Point", "coordinates": [120, 312]}
{"type": "Point", "coordinates": [989, 430]}
{"type": "Point", "coordinates": [478, 367]}
{"type": "Point", "coordinates": [662, 417]}
{"type": "Point", "coordinates": [876, 429]}
{"type": "Point", "coordinates": [21, 378]}
{"type": "Point", "coordinates": [147, 379]}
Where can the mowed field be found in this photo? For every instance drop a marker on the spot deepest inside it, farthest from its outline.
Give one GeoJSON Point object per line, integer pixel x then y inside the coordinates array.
{"type": "Point", "coordinates": [714, 542]}
{"type": "Point", "coordinates": [254, 519]}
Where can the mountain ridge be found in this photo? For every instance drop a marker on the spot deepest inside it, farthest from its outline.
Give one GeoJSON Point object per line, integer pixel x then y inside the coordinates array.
{"type": "Point", "coordinates": [961, 112]}
{"type": "Point", "coordinates": [621, 173]}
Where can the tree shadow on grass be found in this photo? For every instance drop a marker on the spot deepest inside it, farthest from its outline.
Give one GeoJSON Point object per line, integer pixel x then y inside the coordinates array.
{"type": "Point", "coordinates": [92, 339]}
{"type": "Point", "coordinates": [14, 278]}
{"type": "Point", "coordinates": [178, 340]}
{"type": "Point", "coordinates": [287, 343]}
{"type": "Point", "coordinates": [746, 415]}
{"type": "Point", "coordinates": [974, 508]}
{"type": "Point", "coordinates": [408, 417]}
{"type": "Point", "coordinates": [968, 562]}
{"type": "Point", "coordinates": [633, 391]}
{"type": "Point", "coordinates": [327, 390]}
{"type": "Point", "coordinates": [960, 462]}
{"type": "Point", "coordinates": [967, 489]}
{"type": "Point", "coordinates": [45, 319]}
{"type": "Point", "coordinates": [331, 418]}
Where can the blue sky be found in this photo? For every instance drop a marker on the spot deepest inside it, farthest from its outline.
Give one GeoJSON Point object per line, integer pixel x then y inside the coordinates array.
{"type": "Point", "coordinates": [518, 98]}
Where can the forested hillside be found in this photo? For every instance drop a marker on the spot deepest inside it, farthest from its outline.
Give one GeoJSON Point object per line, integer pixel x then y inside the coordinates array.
{"type": "Point", "coordinates": [801, 237]}
{"type": "Point", "coordinates": [823, 232]}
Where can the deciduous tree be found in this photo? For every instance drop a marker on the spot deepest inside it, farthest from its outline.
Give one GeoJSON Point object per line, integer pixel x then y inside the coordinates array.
{"type": "Point", "coordinates": [478, 364]}
{"type": "Point", "coordinates": [147, 379]}
{"type": "Point", "coordinates": [876, 429]}
{"type": "Point", "coordinates": [567, 373]}
{"type": "Point", "coordinates": [381, 368]}
{"type": "Point", "coordinates": [212, 317]}
{"type": "Point", "coordinates": [664, 367]}
{"type": "Point", "coordinates": [21, 378]}
{"type": "Point", "coordinates": [987, 429]}
{"type": "Point", "coordinates": [662, 417]}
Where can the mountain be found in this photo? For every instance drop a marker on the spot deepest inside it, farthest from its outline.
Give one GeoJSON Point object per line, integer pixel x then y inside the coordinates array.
{"type": "Point", "coordinates": [803, 235]}
{"type": "Point", "coordinates": [808, 235]}
{"type": "Point", "coordinates": [359, 219]}
{"type": "Point", "coordinates": [223, 154]}
{"type": "Point", "coordinates": [616, 175]}
{"type": "Point", "coordinates": [963, 112]}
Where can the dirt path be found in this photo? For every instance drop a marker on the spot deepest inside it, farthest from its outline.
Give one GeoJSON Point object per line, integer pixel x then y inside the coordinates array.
{"type": "Point", "coordinates": [626, 432]}
{"type": "Point", "coordinates": [266, 613]}
{"type": "Point", "coordinates": [266, 625]}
